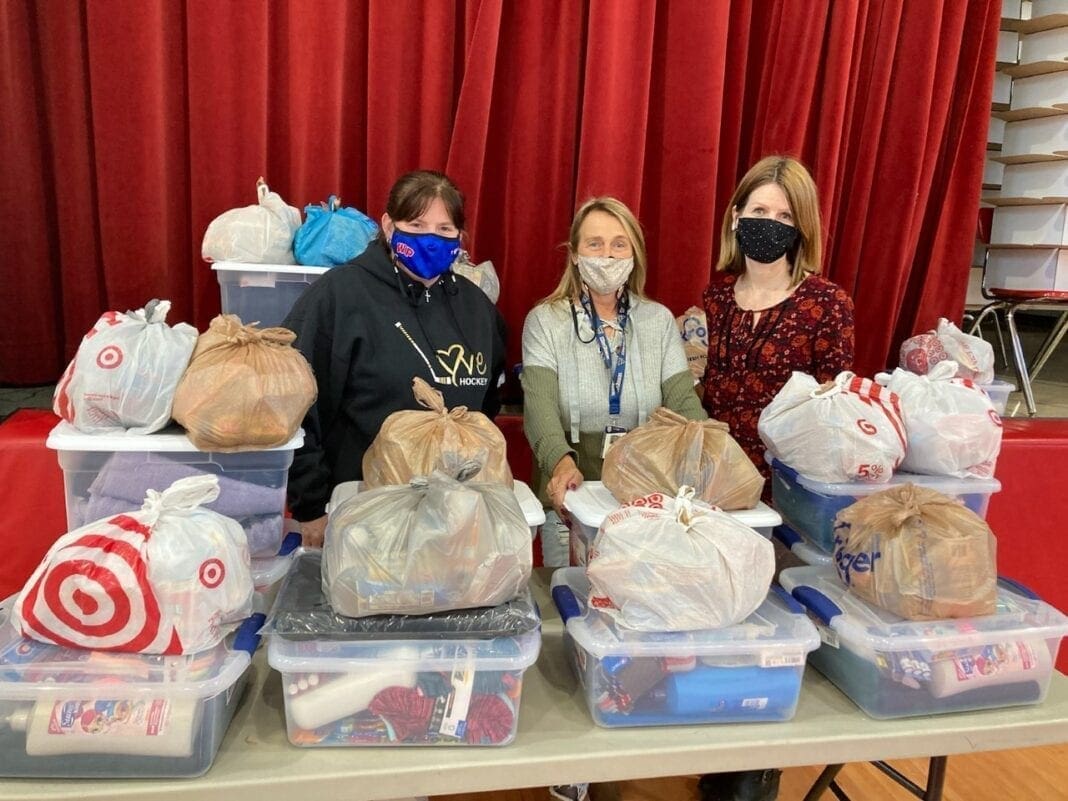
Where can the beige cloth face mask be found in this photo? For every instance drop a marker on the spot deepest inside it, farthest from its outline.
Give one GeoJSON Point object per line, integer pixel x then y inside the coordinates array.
{"type": "Point", "coordinates": [603, 274]}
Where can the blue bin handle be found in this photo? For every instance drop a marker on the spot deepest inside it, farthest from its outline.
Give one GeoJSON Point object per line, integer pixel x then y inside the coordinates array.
{"type": "Point", "coordinates": [566, 602]}
{"type": "Point", "coordinates": [290, 543]}
{"type": "Point", "coordinates": [787, 599]}
{"type": "Point", "coordinates": [1018, 588]}
{"type": "Point", "coordinates": [786, 535]}
{"type": "Point", "coordinates": [817, 603]}
{"type": "Point", "coordinates": [788, 471]}
{"type": "Point", "coordinates": [248, 633]}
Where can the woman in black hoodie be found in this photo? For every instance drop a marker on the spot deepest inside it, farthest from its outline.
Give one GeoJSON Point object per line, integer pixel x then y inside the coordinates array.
{"type": "Point", "coordinates": [368, 327]}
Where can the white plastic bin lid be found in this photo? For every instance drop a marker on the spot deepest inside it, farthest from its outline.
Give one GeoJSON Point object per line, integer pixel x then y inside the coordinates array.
{"type": "Point", "coordinates": [65, 437]}
{"type": "Point", "coordinates": [949, 485]}
{"type": "Point", "coordinates": [775, 635]}
{"type": "Point", "coordinates": [28, 668]}
{"type": "Point", "coordinates": [339, 656]}
{"type": "Point", "coordinates": [528, 502]}
{"type": "Point", "coordinates": [868, 628]}
{"type": "Point", "coordinates": [253, 269]}
{"type": "Point", "coordinates": [592, 503]}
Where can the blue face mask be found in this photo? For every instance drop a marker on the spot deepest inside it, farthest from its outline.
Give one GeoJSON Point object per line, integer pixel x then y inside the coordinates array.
{"type": "Point", "coordinates": [426, 255]}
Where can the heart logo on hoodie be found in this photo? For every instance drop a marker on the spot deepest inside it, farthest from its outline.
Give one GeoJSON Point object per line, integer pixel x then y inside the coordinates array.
{"type": "Point", "coordinates": [455, 357]}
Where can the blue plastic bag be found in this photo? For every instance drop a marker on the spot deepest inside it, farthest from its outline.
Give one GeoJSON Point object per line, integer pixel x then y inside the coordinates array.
{"type": "Point", "coordinates": [332, 235]}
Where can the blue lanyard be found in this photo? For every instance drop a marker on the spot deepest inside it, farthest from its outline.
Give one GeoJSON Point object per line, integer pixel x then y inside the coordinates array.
{"type": "Point", "coordinates": [615, 383]}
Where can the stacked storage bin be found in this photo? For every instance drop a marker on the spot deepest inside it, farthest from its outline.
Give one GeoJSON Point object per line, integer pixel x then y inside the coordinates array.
{"type": "Point", "coordinates": [263, 293]}
{"type": "Point", "coordinates": [739, 674]}
{"type": "Point", "coordinates": [447, 678]}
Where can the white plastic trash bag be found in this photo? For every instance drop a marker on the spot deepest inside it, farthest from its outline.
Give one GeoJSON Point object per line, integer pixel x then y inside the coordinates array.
{"type": "Point", "coordinates": [953, 428]}
{"type": "Point", "coordinates": [849, 429]}
{"type": "Point", "coordinates": [974, 356]}
{"type": "Point", "coordinates": [664, 564]}
{"type": "Point", "coordinates": [126, 370]}
{"type": "Point", "coordinates": [429, 546]}
{"type": "Point", "coordinates": [260, 234]}
{"type": "Point", "coordinates": [171, 578]}
{"type": "Point", "coordinates": [481, 275]}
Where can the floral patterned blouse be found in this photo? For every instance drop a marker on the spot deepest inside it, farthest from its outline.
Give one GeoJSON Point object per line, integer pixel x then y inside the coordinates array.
{"type": "Point", "coordinates": [811, 332]}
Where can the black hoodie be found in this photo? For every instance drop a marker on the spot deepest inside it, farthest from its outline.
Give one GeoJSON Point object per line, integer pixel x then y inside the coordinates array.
{"type": "Point", "coordinates": [367, 329]}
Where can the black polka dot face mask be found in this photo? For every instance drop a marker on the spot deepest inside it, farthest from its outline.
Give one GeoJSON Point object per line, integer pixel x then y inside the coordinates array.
{"type": "Point", "coordinates": [764, 240]}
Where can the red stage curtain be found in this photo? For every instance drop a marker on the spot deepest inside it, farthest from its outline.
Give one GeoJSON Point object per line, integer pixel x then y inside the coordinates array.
{"type": "Point", "coordinates": [125, 127]}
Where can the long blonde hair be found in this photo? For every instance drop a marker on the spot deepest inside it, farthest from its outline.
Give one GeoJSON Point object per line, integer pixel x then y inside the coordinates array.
{"type": "Point", "coordinates": [800, 190]}
{"type": "Point", "coordinates": [570, 285]}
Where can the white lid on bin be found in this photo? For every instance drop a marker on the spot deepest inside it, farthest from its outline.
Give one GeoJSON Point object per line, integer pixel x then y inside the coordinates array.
{"type": "Point", "coordinates": [285, 269]}
{"type": "Point", "coordinates": [65, 437]}
{"type": "Point", "coordinates": [28, 668]}
{"type": "Point", "coordinates": [773, 635]}
{"type": "Point", "coordinates": [948, 485]}
{"type": "Point", "coordinates": [341, 656]}
{"type": "Point", "coordinates": [528, 501]}
{"type": "Point", "coordinates": [869, 629]}
{"type": "Point", "coordinates": [592, 503]}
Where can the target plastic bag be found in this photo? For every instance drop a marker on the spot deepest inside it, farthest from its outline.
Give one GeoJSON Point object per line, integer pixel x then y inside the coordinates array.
{"type": "Point", "coordinates": [917, 553]}
{"type": "Point", "coordinates": [332, 234]}
{"type": "Point", "coordinates": [414, 443]}
{"type": "Point", "coordinates": [481, 275]}
{"type": "Point", "coordinates": [974, 355]}
{"type": "Point", "coordinates": [693, 327]}
{"type": "Point", "coordinates": [260, 234]}
{"type": "Point", "coordinates": [953, 428]}
{"type": "Point", "coordinates": [171, 578]}
{"type": "Point", "coordinates": [246, 388]}
{"type": "Point", "coordinates": [675, 564]}
{"type": "Point", "coordinates": [849, 429]}
{"type": "Point", "coordinates": [670, 452]}
{"type": "Point", "coordinates": [124, 375]}
{"type": "Point", "coordinates": [430, 546]}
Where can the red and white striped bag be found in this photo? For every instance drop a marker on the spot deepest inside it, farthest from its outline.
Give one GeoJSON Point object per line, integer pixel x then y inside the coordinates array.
{"type": "Point", "coordinates": [849, 429]}
{"type": "Point", "coordinates": [170, 578]}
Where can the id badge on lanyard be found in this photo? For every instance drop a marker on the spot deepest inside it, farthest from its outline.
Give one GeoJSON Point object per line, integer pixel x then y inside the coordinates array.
{"type": "Point", "coordinates": [617, 371]}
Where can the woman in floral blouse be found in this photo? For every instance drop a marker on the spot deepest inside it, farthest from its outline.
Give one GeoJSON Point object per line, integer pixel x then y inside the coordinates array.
{"type": "Point", "coordinates": [773, 313]}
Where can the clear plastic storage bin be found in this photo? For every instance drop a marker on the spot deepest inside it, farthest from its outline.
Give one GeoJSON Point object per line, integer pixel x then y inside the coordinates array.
{"type": "Point", "coordinates": [267, 573]}
{"type": "Point", "coordinates": [998, 391]}
{"type": "Point", "coordinates": [70, 713]}
{"type": "Point", "coordinates": [108, 474]}
{"type": "Point", "coordinates": [452, 678]}
{"type": "Point", "coordinates": [591, 503]}
{"type": "Point", "coordinates": [528, 501]}
{"type": "Point", "coordinates": [800, 547]}
{"type": "Point", "coordinates": [739, 674]}
{"type": "Point", "coordinates": [263, 293]}
{"type": "Point", "coordinates": [809, 507]}
{"type": "Point", "coordinates": [894, 668]}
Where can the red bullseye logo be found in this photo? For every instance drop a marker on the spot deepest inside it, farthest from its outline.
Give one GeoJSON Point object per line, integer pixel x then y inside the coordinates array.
{"type": "Point", "coordinates": [110, 357]}
{"type": "Point", "coordinates": [867, 427]}
{"type": "Point", "coordinates": [212, 573]}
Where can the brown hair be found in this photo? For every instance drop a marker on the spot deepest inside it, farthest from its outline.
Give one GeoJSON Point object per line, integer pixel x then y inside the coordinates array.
{"type": "Point", "coordinates": [413, 192]}
{"type": "Point", "coordinates": [800, 190]}
{"type": "Point", "coordinates": [570, 285]}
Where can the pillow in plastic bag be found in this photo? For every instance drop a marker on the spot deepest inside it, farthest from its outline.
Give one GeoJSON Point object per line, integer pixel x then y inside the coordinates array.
{"type": "Point", "coordinates": [849, 429]}
{"type": "Point", "coordinates": [124, 375]}
{"type": "Point", "coordinates": [670, 451]}
{"type": "Point", "coordinates": [434, 545]}
{"type": "Point", "coordinates": [332, 234]}
{"type": "Point", "coordinates": [917, 553]}
{"type": "Point", "coordinates": [953, 428]}
{"type": "Point", "coordinates": [170, 578]}
{"type": "Point", "coordinates": [664, 564]}
{"type": "Point", "coordinates": [260, 234]}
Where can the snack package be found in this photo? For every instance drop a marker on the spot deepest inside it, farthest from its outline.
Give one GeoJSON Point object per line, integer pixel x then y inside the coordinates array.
{"type": "Point", "coordinates": [917, 553]}
{"type": "Point", "coordinates": [693, 327]}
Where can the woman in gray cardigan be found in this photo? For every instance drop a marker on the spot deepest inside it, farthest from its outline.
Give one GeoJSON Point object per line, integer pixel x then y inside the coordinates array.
{"type": "Point", "coordinates": [598, 355]}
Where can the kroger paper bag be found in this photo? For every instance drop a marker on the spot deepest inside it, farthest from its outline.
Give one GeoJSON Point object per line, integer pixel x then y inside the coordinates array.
{"type": "Point", "coordinates": [170, 578]}
{"type": "Point", "coordinates": [414, 443]}
{"type": "Point", "coordinates": [669, 452]}
{"type": "Point", "coordinates": [246, 388]}
{"type": "Point", "coordinates": [953, 428]}
{"type": "Point", "coordinates": [917, 553]}
{"type": "Point", "coordinates": [430, 546]}
{"type": "Point", "coordinates": [675, 564]}
{"type": "Point", "coordinates": [849, 429]}
{"type": "Point", "coordinates": [123, 378]}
